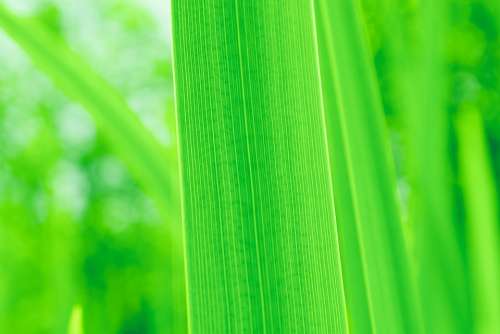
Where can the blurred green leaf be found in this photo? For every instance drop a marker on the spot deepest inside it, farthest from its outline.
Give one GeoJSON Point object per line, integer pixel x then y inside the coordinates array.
{"type": "Point", "coordinates": [151, 163]}
{"type": "Point", "coordinates": [75, 321]}
{"type": "Point", "coordinates": [481, 205]}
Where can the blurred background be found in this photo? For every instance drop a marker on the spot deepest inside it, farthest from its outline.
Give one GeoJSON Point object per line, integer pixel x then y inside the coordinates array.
{"type": "Point", "coordinates": [76, 229]}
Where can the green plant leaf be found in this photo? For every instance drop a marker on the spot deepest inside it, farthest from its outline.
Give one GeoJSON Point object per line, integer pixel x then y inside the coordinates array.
{"type": "Point", "coordinates": [377, 271]}
{"type": "Point", "coordinates": [75, 321]}
{"type": "Point", "coordinates": [419, 82]}
{"type": "Point", "coordinates": [149, 161]}
{"type": "Point", "coordinates": [261, 240]}
{"type": "Point", "coordinates": [360, 319]}
{"type": "Point", "coordinates": [481, 200]}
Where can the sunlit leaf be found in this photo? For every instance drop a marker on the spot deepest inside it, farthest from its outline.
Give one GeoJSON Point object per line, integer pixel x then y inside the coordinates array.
{"type": "Point", "coordinates": [481, 201]}
{"type": "Point", "coordinates": [377, 271]}
{"type": "Point", "coordinates": [75, 321]}
{"type": "Point", "coordinates": [261, 240]}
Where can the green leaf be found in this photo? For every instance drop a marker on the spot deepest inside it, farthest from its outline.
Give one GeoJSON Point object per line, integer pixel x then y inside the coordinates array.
{"type": "Point", "coordinates": [75, 321]}
{"type": "Point", "coordinates": [419, 82]}
{"type": "Point", "coordinates": [261, 240]}
{"type": "Point", "coordinates": [149, 161]}
{"type": "Point", "coordinates": [481, 201]}
{"type": "Point", "coordinates": [360, 319]}
{"type": "Point", "coordinates": [378, 273]}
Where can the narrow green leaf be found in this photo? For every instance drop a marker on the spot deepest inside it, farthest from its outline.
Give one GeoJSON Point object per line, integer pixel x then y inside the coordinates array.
{"type": "Point", "coordinates": [261, 239]}
{"type": "Point", "coordinates": [420, 81]}
{"type": "Point", "coordinates": [75, 321]}
{"type": "Point", "coordinates": [360, 319]}
{"type": "Point", "coordinates": [150, 162]}
{"type": "Point", "coordinates": [481, 200]}
{"type": "Point", "coordinates": [378, 274]}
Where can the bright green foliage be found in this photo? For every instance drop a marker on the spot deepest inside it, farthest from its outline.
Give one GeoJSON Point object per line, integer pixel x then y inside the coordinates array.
{"type": "Point", "coordinates": [358, 311]}
{"type": "Point", "coordinates": [417, 59]}
{"type": "Point", "coordinates": [286, 110]}
{"type": "Point", "coordinates": [377, 270]}
{"type": "Point", "coordinates": [147, 159]}
{"type": "Point", "coordinates": [482, 220]}
{"type": "Point", "coordinates": [115, 255]}
{"type": "Point", "coordinates": [261, 242]}
{"type": "Point", "coordinates": [442, 275]}
{"type": "Point", "coordinates": [75, 321]}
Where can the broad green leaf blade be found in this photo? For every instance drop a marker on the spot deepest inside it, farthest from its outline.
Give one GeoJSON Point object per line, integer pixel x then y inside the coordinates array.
{"type": "Point", "coordinates": [150, 162]}
{"type": "Point", "coordinates": [481, 201]}
{"type": "Point", "coordinates": [420, 84]}
{"type": "Point", "coordinates": [75, 321]}
{"type": "Point", "coordinates": [378, 272]}
{"type": "Point", "coordinates": [261, 239]}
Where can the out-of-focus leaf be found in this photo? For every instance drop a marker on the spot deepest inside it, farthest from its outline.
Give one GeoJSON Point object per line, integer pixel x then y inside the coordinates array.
{"type": "Point", "coordinates": [75, 321]}
{"type": "Point", "coordinates": [481, 201]}
{"type": "Point", "coordinates": [420, 79]}
{"type": "Point", "coordinates": [149, 161]}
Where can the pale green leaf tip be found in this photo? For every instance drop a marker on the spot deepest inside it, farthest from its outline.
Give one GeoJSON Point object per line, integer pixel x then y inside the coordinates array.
{"type": "Point", "coordinates": [75, 321]}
